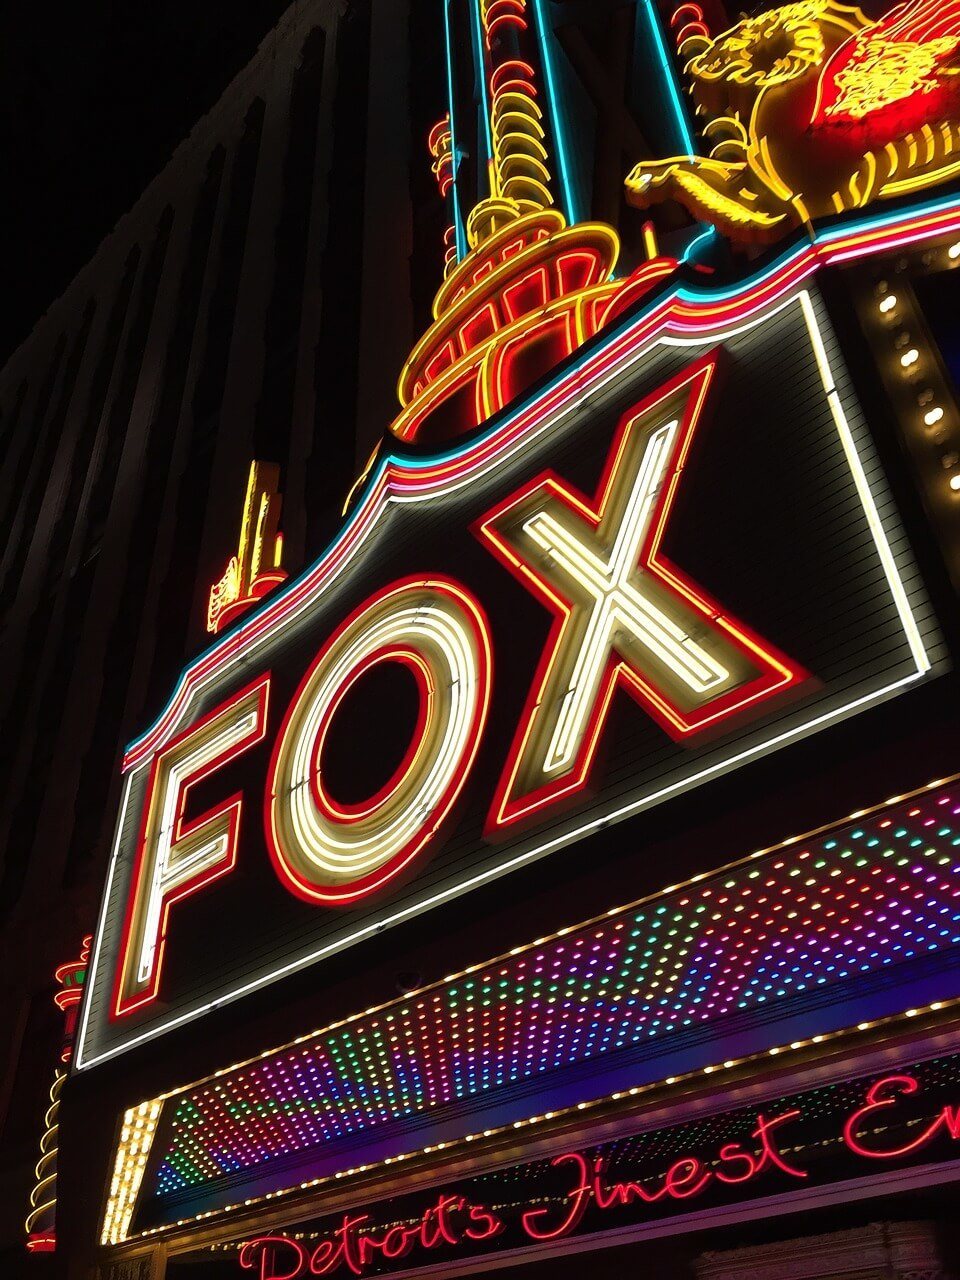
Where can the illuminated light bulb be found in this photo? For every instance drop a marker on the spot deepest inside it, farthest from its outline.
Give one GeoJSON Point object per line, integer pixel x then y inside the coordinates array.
{"type": "Point", "coordinates": [888, 303]}
{"type": "Point", "coordinates": [953, 253]}
{"type": "Point", "coordinates": [910, 357]}
{"type": "Point", "coordinates": [955, 484]}
{"type": "Point", "coordinates": [933, 416]}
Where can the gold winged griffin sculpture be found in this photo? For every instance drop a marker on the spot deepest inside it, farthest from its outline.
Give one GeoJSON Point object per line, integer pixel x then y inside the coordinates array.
{"type": "Point", "coordinates": [812, 109]}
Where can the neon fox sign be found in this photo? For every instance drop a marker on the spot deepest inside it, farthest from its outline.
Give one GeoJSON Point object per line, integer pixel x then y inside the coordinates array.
{"type": "Point", "coordinates": [609, 619]}
{"type": "Point", "coordinates": [625, 617]}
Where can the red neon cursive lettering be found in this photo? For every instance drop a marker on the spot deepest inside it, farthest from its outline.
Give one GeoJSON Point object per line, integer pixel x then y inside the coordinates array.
{"type": "Point", "coordinates": [398, 1242]}
{"type": "Point", "coordinates": [454, 1220]}
{"type": "Point", "coordinates": [451, 1220]}
{"type": "Point", "coordinates": [731, 1152]}
{"type": "Point", "coordinates": [579, 1198]}
{"type": "Point", "coordinates": [429, 1229]}
{"type": "Point", "coordinates": [351, 1249]}
{"type": "Point", "coordinates": [620, 1192]}
{"type": "Point", "coordinates": [324, 1258]}
{"type": "Point", "coordinates": [446, 1206]}
{"type": "Point", "coordinates": [887, 1093]}
{"type": "Point", "coordinates": [768, 1151]}
{"type": "Point", "coordinates": [265, 1248]}
{"type": "Point", "coordinates": [484, 1225]}
{"type": "Point", "coordinates": [686, 1178]}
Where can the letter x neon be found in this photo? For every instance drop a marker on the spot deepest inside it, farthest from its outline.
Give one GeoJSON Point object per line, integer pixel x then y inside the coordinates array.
{"type": "Point", "coordinates": [624, 613]}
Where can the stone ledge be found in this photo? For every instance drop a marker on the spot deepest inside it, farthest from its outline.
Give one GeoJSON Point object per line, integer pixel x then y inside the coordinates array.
{"type": "Point", "coordinates": [880, 1251]}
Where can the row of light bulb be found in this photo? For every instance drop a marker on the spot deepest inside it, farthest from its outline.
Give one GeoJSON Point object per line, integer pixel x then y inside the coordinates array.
{"type": "Point", "coordinates": [136, 1139]}
{"type": "Point", "coordinates": [909, 357]}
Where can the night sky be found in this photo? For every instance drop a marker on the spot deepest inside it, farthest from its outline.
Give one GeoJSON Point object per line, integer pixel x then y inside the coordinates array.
{"type": "Point", "coordinates": [94, 98]}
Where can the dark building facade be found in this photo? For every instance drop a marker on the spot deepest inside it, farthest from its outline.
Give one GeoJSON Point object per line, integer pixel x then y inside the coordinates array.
{"type": "Point", "coordinates": [224, 309]}
{"type": "Point", "coordinates": [479, 568]}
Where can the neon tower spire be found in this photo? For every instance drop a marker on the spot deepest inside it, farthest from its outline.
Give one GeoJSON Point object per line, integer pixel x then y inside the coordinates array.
{"type": "Point", "coordinates": [41, 1223]}
{"type": "Point", "coordinates": [524, 289]}
{"type": "Point", "coordinates": [519, 177]}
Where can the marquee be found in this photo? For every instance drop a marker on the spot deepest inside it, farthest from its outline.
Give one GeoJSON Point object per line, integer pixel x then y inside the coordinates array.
{"type": "Point", "coordinates": [677, 555]}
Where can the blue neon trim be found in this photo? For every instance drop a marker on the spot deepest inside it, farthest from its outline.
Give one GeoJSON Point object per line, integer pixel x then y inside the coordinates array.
{"type": "Point", "coordinates": [703, 236]}
{"type": "Point", "coordinates": [412, 464]}
{"type": "Point", "coordinates": [480, 66]}
{"type": "Point", "coordinates": [669, 73]}
{"type": "Point", "coordinates": [458, 227]}
{"type": "Point", "coordinates": [571, 211]}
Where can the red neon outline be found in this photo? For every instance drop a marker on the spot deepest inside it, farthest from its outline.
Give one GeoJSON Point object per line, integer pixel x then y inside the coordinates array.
{"type": "Point", "coordinates": [504, 13]}
{"type": "Point", "coordinates": [590, 262]}
{"type": "Point", "coordinates": [471, 333]}
{"type": "Point", "coordinates": [497, 364]}
{"type": "Point", "coordinates": [507, 807]}
{"type": "Point", "coordinates": [231, 808]}
{"type": "Point", "coordinates": [350, 892]}
{"type": "Point", "coordinates": [466, 378]}
{"type": "Point", "coordinates": [689, 30]}
{"type": "Point", "coordinates": [263, 583]}
{"type": "Point", "coordinates": [414, 663]}
{"type": "Point", "coordinates": [522, 74]}
{"type": "Point", "coordinates": [516, 288]}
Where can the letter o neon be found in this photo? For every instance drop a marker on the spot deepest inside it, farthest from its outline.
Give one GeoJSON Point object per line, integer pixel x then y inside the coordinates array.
{"type": "Point", "coordinates": [332, 853]}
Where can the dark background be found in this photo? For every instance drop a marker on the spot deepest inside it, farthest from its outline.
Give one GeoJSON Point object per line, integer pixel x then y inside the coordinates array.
{"type": "Point", "coordinates": [94, 98]}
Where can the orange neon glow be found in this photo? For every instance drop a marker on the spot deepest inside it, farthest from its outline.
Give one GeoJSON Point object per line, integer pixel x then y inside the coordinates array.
{"type": "Point", "coordinates": [439, 144]}
{"type": "Point", "coordinates": [41, 1243]}
{"type": "Point", "coordinates": [689, 28]}
{"type": "Point", "coordinates": [494, 311]}
{"type": "Point", "coordinates": [498, 14]}
{"type": "Point", "coordinates": [530, 290]}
